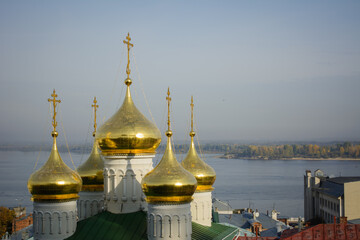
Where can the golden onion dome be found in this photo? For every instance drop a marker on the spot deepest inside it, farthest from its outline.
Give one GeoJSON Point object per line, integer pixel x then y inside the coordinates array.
{"type": "Point", "coordinates": [54, 181]}
{"type": "Point", "coordinates": [204, 174]}
{"type": "Point", "coordinates": [128, 131]}
{"type": "Point", "coordinates": [169, 181]}
{"type": "Point", "coordinates": [91, 172]}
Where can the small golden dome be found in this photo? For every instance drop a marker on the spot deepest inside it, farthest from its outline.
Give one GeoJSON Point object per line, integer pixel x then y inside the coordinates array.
{"type": "Point", "coordinates": [54, 181]}
{"type": "Point", "coordinates": [91, 172]}
{"type": "Point", "coordinates": [204, 174]}
{"type": "Point", "coordinates": [128, 131]}
{"type": "Point", "coordinates": [169, 181]}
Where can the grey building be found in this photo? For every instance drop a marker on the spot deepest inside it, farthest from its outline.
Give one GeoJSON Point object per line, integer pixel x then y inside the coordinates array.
{"type": "Point", "coordinates": [327, 198]}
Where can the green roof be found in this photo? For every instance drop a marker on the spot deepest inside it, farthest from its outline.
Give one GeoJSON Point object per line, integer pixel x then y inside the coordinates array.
{"type": "Point", "coordinates": [215, 232]}
{"type": "Point", "coordinates": [109, 226]}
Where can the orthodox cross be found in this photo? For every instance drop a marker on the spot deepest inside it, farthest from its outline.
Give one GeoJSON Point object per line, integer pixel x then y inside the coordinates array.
{"type": "Point", "coordinates": [192, 113]}
{"type": "Point", "coordinates": [55, 102]}
{"type": "Point", "coordinates": [168, 98]}
{"type": "Point", "coordinates": [129, 45]}
{"type": "Point", "coordinates": [95, 107]}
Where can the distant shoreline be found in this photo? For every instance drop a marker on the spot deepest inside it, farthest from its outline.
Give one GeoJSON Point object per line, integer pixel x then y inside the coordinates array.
{"type": "Point", "coordinates": [291, 159]}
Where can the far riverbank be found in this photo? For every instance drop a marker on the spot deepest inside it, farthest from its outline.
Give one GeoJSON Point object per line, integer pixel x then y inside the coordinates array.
{"type": "Point", "coordinates": [232, 156]}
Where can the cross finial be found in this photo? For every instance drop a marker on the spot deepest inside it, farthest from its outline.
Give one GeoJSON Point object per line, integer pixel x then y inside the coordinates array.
{"type": "Point", "coordinates": [95, 108]}
{"type": "Point", "coordinates": [192, 113]}
{"type": "Point", "coordinates": [168, 98]}
{"type": "Point", "coordinates": [129, 45]}
{"type": "Point", "coordinates": [55, 102]}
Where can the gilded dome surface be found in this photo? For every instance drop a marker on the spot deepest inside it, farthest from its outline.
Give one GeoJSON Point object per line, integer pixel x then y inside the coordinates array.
{"type": "Point", "coordinates": [91, 172]}
{"type": "Point", "coordinates": [169, 181]}
{"type": "Point", "coordinates": [54, 181]}
{"type": "Point", "coordinates": [204, 174]}
{"type": "Point", "coordinates": [128, 131]}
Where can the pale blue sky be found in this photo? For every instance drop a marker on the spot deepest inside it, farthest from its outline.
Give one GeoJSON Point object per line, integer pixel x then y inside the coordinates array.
{"type": "Point", "coordinates": [258, 70]}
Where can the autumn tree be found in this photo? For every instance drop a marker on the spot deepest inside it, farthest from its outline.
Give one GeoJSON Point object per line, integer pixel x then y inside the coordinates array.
{"type": "Point", "coordinates": [6, 218]}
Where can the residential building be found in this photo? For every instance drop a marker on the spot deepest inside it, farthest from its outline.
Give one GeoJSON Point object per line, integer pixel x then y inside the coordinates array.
{"type": "Point", "coordinates": [326, 198]}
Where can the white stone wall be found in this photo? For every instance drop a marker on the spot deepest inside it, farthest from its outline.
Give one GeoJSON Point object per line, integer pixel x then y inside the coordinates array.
{"type": "Point", "coordinates": [169, 221]}
{"type": "Point", "coordinates": [90, 204]}
{"type": "Point", "coordinates": [54, 220]}
{"type": "Point", "coordinates": [201, 208]}
{"type": "Point", "coordinates": [122, 182]}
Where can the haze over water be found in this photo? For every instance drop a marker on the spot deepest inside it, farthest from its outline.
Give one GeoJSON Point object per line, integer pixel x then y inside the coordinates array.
{"type": "Point", "coordinates": [258, 70]}
{"type": "Point", "coordinates": [263, 183]}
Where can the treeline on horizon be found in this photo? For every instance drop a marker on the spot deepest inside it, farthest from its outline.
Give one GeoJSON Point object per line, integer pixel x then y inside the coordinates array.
{"type": "Point", "coordinates": [339, 150]}
{"type": "Point", "coordinates": [344, 150]}
{"type": "Point", "coordinates": [258, 151]}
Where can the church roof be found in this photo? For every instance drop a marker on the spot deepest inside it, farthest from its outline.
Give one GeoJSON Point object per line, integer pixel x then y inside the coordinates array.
{"type": "Point", "coordinates": [110, 226]}
{"type": "Point", "coordinates": [216, 231]}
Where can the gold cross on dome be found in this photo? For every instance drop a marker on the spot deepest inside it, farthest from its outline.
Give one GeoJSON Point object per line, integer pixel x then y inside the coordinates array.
{"type": "Point", "coordinates": [129, 45]}
{"type": "Point", "coordinates": [168, 98]}
{"type": "Point", "coordinates": [54, 101]}
{"type": "Point", "coordinates": [192, 113]}
{"type": "Point", "coordinates": [95, 106]}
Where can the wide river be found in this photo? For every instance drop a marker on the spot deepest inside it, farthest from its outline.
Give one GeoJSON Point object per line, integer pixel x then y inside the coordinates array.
{"type": "Point", "coordinates": [262, 184]}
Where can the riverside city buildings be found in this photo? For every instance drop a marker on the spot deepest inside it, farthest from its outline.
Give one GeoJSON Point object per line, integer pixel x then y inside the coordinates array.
{"type": "Point", "coordinates": [327, 198]}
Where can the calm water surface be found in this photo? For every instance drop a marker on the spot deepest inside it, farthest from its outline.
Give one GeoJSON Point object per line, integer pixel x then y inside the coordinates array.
{"type": "Point", "coordinates": [261, 183]}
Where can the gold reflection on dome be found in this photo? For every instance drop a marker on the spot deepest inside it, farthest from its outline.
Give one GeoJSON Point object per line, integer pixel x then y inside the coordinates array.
{"type": "Point", "coordinates": [169, 181]}
{"type": "Point", "coordinates": [91, 171]}
{"type": "Point", "coordinates": [204, 174]}
{"type": "Point", "coordinates": [128, 131]}
{"type": "Point", "coordinates": [54, 181]}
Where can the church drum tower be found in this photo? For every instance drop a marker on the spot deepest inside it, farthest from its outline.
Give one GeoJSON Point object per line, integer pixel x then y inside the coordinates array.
{"type": "Point", "coordinates": [128, 142]}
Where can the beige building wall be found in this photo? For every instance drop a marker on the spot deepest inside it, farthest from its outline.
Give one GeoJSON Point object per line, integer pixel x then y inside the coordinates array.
{"type": "Point", "coordinates": [352, 200]}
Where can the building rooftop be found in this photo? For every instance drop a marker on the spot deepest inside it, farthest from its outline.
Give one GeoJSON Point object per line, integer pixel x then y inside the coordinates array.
{"type": "Point", "coordinates": [331, 188]}
{"type": "Point", "coordinates": [342, 180]}
{"type": "Point", "coordinates": [245, 220]}
{"type": "Point", "coordinates": [220, 206]}
{"type": "Point", "coordinates": [133, 226]}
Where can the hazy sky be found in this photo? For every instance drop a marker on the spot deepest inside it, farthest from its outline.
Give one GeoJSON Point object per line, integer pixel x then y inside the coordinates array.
{"type": "Point", "coordinates": [258, 70]}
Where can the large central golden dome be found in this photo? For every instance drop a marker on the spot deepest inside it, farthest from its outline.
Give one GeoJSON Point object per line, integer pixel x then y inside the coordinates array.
{"type": "Point", "coordinates": [128, 131]}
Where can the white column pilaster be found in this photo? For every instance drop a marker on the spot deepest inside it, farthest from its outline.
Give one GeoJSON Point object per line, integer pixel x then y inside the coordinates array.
{"type": "Point", "coordinates": [169, 221]}
{"type": "Point", "coordinates": [126, 195]}
{"type": "Point", "coordinates": [52, 220]}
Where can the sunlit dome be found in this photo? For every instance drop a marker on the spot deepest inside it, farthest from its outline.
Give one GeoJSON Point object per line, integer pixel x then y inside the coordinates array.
{"type": "Point", "coordinates": [54, 181]}
{"type": "Point", "coordinates": [91, 171]}
{"type": "Point", "coordinates": [204, 174]}
{"type": "Point", "coordinates": [128, 131]}
{"type": "Point", "coordinates": [169, 181]}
